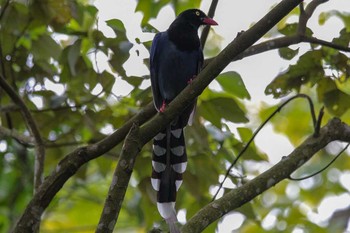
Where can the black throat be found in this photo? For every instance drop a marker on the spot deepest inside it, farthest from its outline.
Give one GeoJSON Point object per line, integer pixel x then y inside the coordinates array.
{"type": "Point", "coordinates": [184, 36]}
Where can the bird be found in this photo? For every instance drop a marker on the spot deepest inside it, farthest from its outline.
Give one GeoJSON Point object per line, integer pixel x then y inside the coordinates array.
{"type": "Point", "coordinates": [176, 57]}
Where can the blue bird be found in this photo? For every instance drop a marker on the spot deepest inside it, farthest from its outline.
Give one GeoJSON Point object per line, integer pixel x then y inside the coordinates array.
{"type": "Point", "coordinates": [176, 58]}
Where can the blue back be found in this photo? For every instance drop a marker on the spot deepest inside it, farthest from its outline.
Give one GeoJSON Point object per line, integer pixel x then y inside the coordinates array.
{"type": "Point", "coordinates": [171, 68]}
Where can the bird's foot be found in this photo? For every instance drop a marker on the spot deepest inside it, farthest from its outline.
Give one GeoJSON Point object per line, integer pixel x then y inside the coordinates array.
{"type": "Point", "coordinates": [190, 81]}
{"type": "Point", "coordinates": [162, 108]}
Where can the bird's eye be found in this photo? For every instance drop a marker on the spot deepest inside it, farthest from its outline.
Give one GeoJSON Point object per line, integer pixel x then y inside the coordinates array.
{"type": "Point", "coordinates": [197, 13]}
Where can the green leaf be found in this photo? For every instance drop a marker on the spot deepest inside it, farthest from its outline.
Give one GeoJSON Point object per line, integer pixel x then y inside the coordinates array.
{"type": "Point", "coordinates": [252, 153]}
{"type": "Point", "coordinates": [288, 53]}
{"type": "Point", "coordinates": [150, 9]}
{"type": "Point", "coordinates": [343, 39]}
{"type": "Point", "coordinates": [73, 55]}
{"type": "Point", "coordinates": [134, 80]}
{"type": "Point", "coordinates": [45, 48]}
{"type": "Point", "coordinates": [119, 45]}
{"type": "Point", "coordinates": [344, 16]}
{"type": "Point", "coordinates": [232, 83]}
{"type": "Point", "coordinates": [107, 81]}
{"type": "Point", "coordinates": [15, 20]}
{"type": "Point", "coordinates": [291, 29]}
{"type": "Point", "coordinates": [245, 133]}
{"type": "Point", "coordinates": [215, 109]}
{"type": "Point", "coordinates": [180, 6]}
{"type": "Point", "coordinates": [117, 26]}
{"type": "Point", "coordinates": [336, 101]}
{"type": "Point", "coordinates": [308, 69]}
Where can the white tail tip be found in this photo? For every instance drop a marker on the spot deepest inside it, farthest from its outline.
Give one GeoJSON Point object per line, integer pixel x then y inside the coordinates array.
{"type": "Point", "coordinates": [167, 211]}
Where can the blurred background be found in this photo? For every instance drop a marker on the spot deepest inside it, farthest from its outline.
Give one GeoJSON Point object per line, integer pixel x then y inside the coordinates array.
{"type": "Point", "coordinates": [81, 67]}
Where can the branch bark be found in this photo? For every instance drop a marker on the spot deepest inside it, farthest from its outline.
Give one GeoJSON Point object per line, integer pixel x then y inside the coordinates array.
{"type": "Point", "coordinates": [68, 166]}
{"type": "Point", "coordinates": [5, 132]}
{"type": "Point", "coordinates": [206, 29]}
{"type": "Point", "coordinates": [120, 182]}
{"type": "Point", "coordinates": [33, 128]}
{"type": "Point", "coordinates": [334, 130]}
{"type": "Point", "coordinates": [282, 42]}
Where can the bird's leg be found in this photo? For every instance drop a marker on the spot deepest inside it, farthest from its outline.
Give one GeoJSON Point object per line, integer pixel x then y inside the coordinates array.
{"type": "Point", "coordinates": [191, 79]}
{"type": "Point", "coordinates": [162, 108]}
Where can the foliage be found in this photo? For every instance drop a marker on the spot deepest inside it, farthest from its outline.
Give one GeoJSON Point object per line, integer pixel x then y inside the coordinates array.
{"type": "Point", "coordinates": [48, 55]}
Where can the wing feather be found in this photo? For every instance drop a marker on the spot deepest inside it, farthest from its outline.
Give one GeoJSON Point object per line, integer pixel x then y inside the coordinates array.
{"type": "Point", "coordinates": [157, 98]}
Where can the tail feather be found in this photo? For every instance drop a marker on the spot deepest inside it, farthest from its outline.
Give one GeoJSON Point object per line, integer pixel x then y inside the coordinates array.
{"type": "Point", "coordinates": [169, 162]}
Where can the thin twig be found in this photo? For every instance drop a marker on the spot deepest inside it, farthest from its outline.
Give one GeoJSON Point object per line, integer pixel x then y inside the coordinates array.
{"type": "Point", "coordinates": [305, 14]}
{"type": "Point", "coordinates": [327, 166]}
{"type": "Point", "coordinates": [313, 116]}
{"type": "Point", "coordinates": [3, 9]}
{"type": "Point", "coordinates": [206, 29]}
{"type": "Point", "coordinates": [314, 40]}
{"type": "Point", "coordinates": [282, 42]}
{"type": "Point", "coordinates": [32, 126]}
{"type": "Point", "coordinates": [318, 122]}
{"type": "Point", "coordinates": [25, 140]}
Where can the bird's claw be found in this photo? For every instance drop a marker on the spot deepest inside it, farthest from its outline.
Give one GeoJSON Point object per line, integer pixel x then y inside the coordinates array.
{"type": "Point", "coordinates": [191, 79]}
{"type": "Point", "coordinates": [162, 108]}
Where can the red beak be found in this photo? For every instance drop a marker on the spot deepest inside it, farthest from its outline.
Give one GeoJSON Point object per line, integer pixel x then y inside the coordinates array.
{"type": "Point", "coordinates": [209, 21]}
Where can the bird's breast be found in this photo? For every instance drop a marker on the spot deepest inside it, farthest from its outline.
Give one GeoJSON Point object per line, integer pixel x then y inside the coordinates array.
{"type": "Point", "coordinates": [176, 68]}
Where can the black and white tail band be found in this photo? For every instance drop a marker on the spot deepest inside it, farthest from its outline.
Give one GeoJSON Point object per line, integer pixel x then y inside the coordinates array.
{"type": "Point", "coordinates": [169, 163]}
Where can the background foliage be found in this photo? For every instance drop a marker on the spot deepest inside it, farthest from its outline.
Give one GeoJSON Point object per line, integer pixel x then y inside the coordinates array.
{"type": "Point", "coordinates": [48, 55]}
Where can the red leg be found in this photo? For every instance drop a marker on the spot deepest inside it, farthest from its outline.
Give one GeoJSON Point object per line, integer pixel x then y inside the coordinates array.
{"type": "Point", "coordinates": [191, 79]}
{"type": "Point", "coordinates": [162, 108]}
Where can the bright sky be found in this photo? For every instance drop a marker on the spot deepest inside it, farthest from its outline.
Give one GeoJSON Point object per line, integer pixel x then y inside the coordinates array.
{"type": "Point", "coordinates": [256, 71]}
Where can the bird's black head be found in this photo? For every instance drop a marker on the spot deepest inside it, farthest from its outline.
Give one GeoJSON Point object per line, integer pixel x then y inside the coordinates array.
{"type": "Point", "coordinates": [183, 31]}
{"type": "Point", "coordinates": [195, 17]}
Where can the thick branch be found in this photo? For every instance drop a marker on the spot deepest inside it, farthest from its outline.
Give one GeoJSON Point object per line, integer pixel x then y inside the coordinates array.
{"type": "Point", "coordinates": [68, 166]}
{"type": "Point", "coordinates": [334, 130]}
{"type": "Point", "coordinates": [120, 182]}
{"type": "Point", "coordinates": [209, 73]}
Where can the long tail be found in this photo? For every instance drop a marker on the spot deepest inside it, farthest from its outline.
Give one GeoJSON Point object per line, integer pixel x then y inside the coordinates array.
{"type": "Point", "coordinates": [169, 163]}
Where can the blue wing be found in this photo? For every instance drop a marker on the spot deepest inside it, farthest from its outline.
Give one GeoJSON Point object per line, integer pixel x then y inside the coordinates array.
{"type": "Point", "coordinates": [157, 98]}
{"type": "Point", "coordinates": [171, 68]}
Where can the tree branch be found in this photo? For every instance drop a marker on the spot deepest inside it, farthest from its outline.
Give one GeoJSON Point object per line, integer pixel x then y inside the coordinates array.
{"type": "Point", "coordinates": [334, 130]}
{"type": "Point", "coordinates": [306, 14]}
{"type": "Point", "coordinates": [33, 128]}
{"type": "Point", "coordinates": [206, 29]}
{"type": "Point", "coordinates": [68, 166]}
{"type": "Point", "coordinates": [5, 132]}
{"type": "Point", "coordinates": [209, 73]}
{"type": "Point", "coordinates": [120, 182]}
{"type": "Point", "coordinates": [282, 42]}
{"type": "Point", "coordinates": [9, 108]}
{"type": "Point", "coordinates": [286, 41]}
{"type": "Point", "coordinates": [313, 117]}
